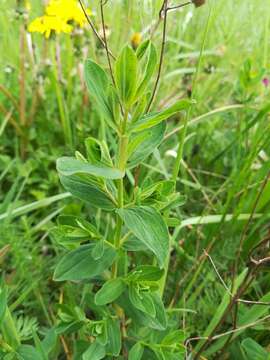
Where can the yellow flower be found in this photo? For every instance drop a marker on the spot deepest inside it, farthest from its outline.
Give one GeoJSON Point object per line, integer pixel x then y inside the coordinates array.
{"type": "Point", "coordinates": [46, 24]}
{"type": "Point", "coordinates": [58, 16]}
{"type": "Point", "coordinates": [68, 10]}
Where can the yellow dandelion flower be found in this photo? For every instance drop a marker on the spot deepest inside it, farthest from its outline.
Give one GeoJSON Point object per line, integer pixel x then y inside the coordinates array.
{"type": "Point", "coordinates": [58, 17]}
{"type": "Point", "coordinates": [46, 24]}
{"type": "Point", "coordinates": [68, 10]}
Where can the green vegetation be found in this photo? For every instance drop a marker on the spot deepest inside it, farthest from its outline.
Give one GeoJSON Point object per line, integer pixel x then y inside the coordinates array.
{"type": "Point", "coordinates": [134, 182]}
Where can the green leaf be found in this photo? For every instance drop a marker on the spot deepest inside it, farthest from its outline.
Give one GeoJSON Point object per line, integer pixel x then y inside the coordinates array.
{"type": "Point", "coordinates": [152, 119]}
{"type": "Point", "coordinates": [161, 318]}
{"type": "Point", "coordinates": [134, 244]}
{"type": "Point", "coordinates": [114, 337]}
{"type": "Point", "coordinates": [148, 226]}
{"type": "Point", "coordinates": [39, 346]}
{"type": "Point", "coordinates": [98, 250]}
{"type": "Point", "coordinates": [103, 337]}
{"type": "Point", "coordinates": [86, 226]}
{"type": "Point", "coordinates": [136, 142]}
{"type": "Point", "coordinates": [79, 264]}
{"type": "Point", "coordinates": [150, 68]}
{"type": "Point", "coordinates": [80, 346]}
{"type": "Point", "coordinates": [174, 337]}
{"type": "Point", "coordinates": [70, 166]}
{"type": "Point", "coordinates": [96, 351]}
{"type": "Point", "coordinates": [126, 75]}
{"type": "Point", "coordinates": [110, 291]}
{"type": "Point", "coordinates": [253, 350]}
{"type": "Point", "coordinates": [28, 352]}
{"type": "Point", "coordinates": [142, 300]}
{"type": "Point", "coordinates": [50, 341]}
{"type": "Point", "coordinates": [160, 188]}
{"type": "Point", "coordinates": [136, 352]}
{"type": "Point", "coordinates": [159, 322]}
{"type": "Point", "coordinates": [145, 143]}
{"type": "Point", "coordinates": [72, 230]}
{"type": "Point", "coordinates": [68, 236]}
{"type": "Point", "coordinates": [141, 50]}
{"type": "Point", "coordinates": [97, 151]}
{"type": "Point", "coordinates": [87, 190]}
{"type": "Point", "coordinates": [140, 107]}
{"type": "Point", "coordinates": [78, 223]}
{"type": "Point", "coordinates": [98, 85]}
{"type": "Point", "coordinates": [145, 273]}
{"type": "Point", "coordinates": [173, 222]}
{"type": "Point", "coordinates": [69, 327]}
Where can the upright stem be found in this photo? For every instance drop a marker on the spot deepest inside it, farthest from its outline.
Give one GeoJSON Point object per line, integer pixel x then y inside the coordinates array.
{"type": "Point", "coordinates": [121, 164]}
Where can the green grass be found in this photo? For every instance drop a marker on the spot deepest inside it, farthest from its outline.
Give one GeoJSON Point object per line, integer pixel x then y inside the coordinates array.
{"type": "Point", "coordinates": [226, 159]}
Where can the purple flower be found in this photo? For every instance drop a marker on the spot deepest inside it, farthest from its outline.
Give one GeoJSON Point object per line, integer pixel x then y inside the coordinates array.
{"type": "Point", "coordinates": [265, 82]}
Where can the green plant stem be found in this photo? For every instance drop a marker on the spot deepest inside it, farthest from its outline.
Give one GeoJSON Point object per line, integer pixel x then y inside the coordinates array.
{"type": "Point", "coordinates": [182, 136]}
{"type": "Point", "coordinates": [122, 159]}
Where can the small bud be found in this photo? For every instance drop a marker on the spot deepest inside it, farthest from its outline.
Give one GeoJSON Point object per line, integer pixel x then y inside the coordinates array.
{"type": "Point", "coordinates": [198, 3]}
{"type": "Point", "coordinates": [136, 39]}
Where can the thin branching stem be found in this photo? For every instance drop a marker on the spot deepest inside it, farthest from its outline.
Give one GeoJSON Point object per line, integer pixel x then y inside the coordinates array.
{"type": "Point", "coordinates": [243, 287]}
{"type": "Point", "coordinates": [226, 333]}
{"type": "Point", "coordinates": [102, 3]}
{"type": "Point", "coordinates": [176, 7]}
{"type": "Point", "coordinates": [94, 29]}
{"type": "Point", "coordinates": [249, 302]}
{"type": "Point", "coordinates": [235, 299]}
{"type": "Point", "coordinates": [162, 14]}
